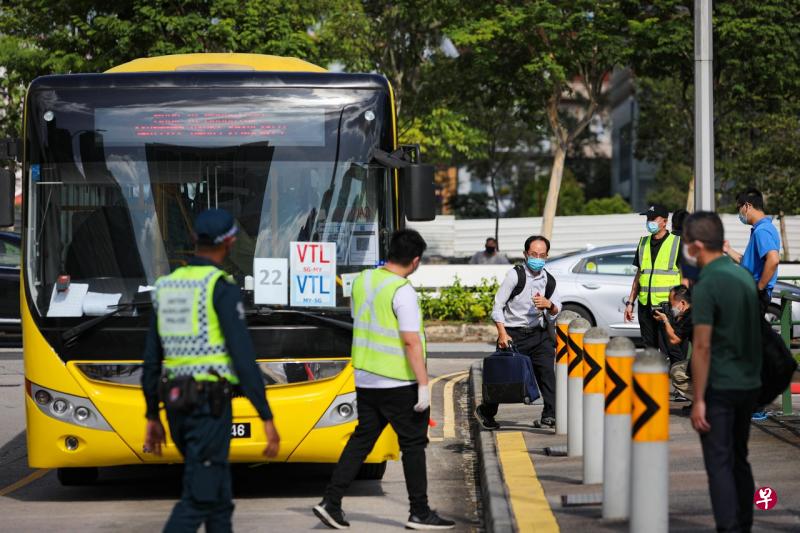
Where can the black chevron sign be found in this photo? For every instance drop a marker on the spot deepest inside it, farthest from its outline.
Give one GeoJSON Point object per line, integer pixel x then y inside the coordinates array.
{"type": "Point", "coordinates": [619, 385]}
{"type": "Point", "coordinates": [594, 368]}
{"type": "Point", "coordinates": [651, 407]}
{"type": "Point", "coordinates": [578, 355]}
{"type": "Point", "coordinates": [565, 339]}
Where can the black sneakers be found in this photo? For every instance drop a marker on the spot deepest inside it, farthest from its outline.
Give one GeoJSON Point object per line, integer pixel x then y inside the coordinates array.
{"type": "Point", "coordinates": [432, 521]}
{"type": "Point", "coordinates": [548, 422]}
{"type": "Point", "coordinates": [486, 421]}
{"type": "Point", "coordinates": [330, 515]}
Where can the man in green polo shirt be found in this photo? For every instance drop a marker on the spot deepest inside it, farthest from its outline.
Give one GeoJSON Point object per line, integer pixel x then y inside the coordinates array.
{"type": "Point", "coordinates": [726, 369]}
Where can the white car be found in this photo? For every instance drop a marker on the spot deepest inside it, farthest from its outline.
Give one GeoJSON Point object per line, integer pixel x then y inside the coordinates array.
{"type": "Point", "coordinates": [596, 283]}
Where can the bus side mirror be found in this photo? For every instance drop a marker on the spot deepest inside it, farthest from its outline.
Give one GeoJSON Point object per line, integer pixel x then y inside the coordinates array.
{"type": "Point", "coordinates": [6, 198]}
{"type": "Point", "coordinates": [419, 196]}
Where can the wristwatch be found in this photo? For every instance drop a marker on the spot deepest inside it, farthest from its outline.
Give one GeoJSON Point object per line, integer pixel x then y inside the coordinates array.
{"type": "Point", "coordinates": [628, 303]}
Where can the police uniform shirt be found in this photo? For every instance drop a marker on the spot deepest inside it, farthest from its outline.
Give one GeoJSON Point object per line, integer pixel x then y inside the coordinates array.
{"type": "Point", "coordinates": [409, 319]}
{"type": "Point", "coordinates": [521, 312]}
{"type": "Point", "coordinates": [227, 300]}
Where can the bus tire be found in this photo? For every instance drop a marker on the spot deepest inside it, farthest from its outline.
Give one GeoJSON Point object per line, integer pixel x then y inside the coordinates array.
{"type": "Point", "coordinates": [372, 471]}
{"type": "Point", "coordinates": [70, 477]}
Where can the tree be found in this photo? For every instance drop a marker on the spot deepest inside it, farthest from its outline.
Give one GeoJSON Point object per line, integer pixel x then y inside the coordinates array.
{"type": "Point", "coordinates": [607, 206]}
{"type": "Point", "coordinates": [756, 80]}
{"type": "Point", "coordinates": [550, 51]}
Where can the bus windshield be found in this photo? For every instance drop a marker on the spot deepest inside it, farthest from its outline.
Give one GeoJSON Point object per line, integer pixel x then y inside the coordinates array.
{"type": "Point", "coordinates": [117, 176]}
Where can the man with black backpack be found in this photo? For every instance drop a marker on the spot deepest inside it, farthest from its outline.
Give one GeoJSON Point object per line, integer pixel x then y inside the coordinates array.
{"type": "Point", "coordinates": [525, 306]}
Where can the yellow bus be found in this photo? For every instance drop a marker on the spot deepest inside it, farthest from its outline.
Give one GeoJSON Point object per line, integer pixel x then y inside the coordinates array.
{"type": "Point", "coordinates": [116, 166]}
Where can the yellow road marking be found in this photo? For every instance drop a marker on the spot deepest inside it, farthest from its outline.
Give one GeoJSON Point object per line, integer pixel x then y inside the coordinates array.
{"type": "Point", "coordinates": [529, 504]}
{"type": "Point", "coordinates": [433, 382]}
{"type": "Point", "coordinates": [450, 408]}
{"type": "Point", "coordinates": [437, 379]}
{"type": "Point", "coordinates": [30, 478]}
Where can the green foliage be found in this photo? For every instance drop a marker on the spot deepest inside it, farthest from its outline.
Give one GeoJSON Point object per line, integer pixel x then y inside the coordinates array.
{"type": "Point", "coordinates": [607, 206]}
{"type": "Point", "coordinates": [460, 303]}
{"type": "Point", "coordinates": [471, 205]}
{"type": "Point", "coordinates": [571, 198]}
{"type": "Point", "coordinates": [756, 80]}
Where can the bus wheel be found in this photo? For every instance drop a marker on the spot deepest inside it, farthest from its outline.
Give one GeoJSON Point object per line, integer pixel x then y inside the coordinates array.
{"type": "Point", "coordinates": [372, 471]}
{"type": "Point", "coordinates": [77, 476]}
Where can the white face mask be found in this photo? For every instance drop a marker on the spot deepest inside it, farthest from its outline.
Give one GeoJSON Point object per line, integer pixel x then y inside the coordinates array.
{"type": "Point", "coordinates": [676, 311]}
{"type": "Point", "coordinates": [690, 259]}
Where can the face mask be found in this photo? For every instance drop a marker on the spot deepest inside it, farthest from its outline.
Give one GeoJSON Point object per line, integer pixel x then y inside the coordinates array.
{"type": "Point", "coordinates": [742, 218]}
{"type": "Point", "coordinates": [690, 259]}
{"type": "Point", "coordinates": [676, 311]}
{"type": "Point", "coordinates": [535, 263]}
{"type": "Point", "coordinates": [652, 226]}
{"type": "Point", "coordinates": [490, 250]}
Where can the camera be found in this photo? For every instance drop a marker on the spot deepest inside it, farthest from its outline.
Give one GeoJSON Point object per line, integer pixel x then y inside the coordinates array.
{"type": "Point", "coordinates": [664, 308]}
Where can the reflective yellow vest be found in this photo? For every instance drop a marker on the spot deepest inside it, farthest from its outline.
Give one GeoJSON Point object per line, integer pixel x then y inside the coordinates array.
{"type": "Point", "coordinates": [377, 346]}
{"type": "Point", "coordinates": [657, 279]}
{"type": "Point", "coordinates": [189, 327]}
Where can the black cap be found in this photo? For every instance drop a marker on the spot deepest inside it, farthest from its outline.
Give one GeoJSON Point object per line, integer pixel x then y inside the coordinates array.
{"type": "Point", "coordinates": [656, 210]}
{"type": "Point", "coordinates": [214, 226]}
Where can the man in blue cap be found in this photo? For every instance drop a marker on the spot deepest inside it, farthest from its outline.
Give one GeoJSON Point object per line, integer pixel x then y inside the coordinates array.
{"type": "Point", "coordinates": [197, 350]}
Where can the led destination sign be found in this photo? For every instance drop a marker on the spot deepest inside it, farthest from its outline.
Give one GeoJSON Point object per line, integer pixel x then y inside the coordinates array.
{"type": "Point", "coordinates": [205, 127]}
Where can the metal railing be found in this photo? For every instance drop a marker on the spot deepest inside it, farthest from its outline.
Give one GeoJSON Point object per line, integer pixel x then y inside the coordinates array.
{"type": "Point", "coordinates": [787, 325]}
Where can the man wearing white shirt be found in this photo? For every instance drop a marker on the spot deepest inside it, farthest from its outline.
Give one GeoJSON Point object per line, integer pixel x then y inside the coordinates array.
{"type": "Point", "coordinates": [388, 356]}
{"type": "Point", "coordinates": [524, 320]}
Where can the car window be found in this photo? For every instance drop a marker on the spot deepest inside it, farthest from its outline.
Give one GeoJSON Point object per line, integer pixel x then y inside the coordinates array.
{"type": "Point", "coordinates": [617, 264]}
{"type": "Point", "coordinates": [9, 254]}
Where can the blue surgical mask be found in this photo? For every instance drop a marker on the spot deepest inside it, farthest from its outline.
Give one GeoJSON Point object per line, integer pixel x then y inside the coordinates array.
{"type": "Point", "coordinates": [742, 218]}
{"type": "Point", "coordinates": [652, 226]}
{"type": "Point", "coordinates": [536, 263]}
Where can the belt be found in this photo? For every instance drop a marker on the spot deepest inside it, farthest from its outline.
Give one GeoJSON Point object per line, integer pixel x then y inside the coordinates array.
{"type": "Point", "coordinates": [526, 329]}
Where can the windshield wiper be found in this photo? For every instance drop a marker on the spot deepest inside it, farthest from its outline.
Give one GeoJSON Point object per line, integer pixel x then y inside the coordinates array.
{"type": "Point", "coordinates": [71, 335]}
{"type": "Point", "coordinates": [266, 311]}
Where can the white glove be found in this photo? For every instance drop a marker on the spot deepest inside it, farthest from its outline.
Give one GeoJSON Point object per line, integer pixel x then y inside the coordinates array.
{"type": "Point", "coordinates": [423, 398]}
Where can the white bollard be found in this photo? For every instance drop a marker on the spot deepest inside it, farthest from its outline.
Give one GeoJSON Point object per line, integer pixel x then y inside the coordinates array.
{"type": "Point", "coordinates": [620, 354]}
{"type": "Point", "coordinates": [650, 447]}
{"type": "Point", "coordinates": [577, 328]}
{"type": "Point", "coordinates": [562, 341]}
{"type": "Point", "coordinates": [594, 356]}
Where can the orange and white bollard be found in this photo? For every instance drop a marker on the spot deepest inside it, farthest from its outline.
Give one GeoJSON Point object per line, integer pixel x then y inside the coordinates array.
{"type": "Point", "coordinates": [620, 354]}
{"type": "Point", "coordinates": [594, 355]}
{"type": "Point", "coordinates": [577, 328]}
{"type": "Point", "coordinates": [650, 453]}
{"type": "Point", "coordinates": [562, 347]}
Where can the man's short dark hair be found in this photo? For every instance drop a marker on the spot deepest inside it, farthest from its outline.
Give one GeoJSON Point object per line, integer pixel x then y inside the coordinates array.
{"type": "Point", "coordinates": [406, 244]}
{"type": "Point", "coordinates": [678, 218]}
{"type": "Point", "coordinates": [706, 227]}
{"type": "Point", "coordinates": [491, 239]}
{"type": "Point", "coordinates": [534, 238]}
{"type": "Point", "coordinates": [750, 196]}
{"type": "Point", "coordinates": [680, 292]}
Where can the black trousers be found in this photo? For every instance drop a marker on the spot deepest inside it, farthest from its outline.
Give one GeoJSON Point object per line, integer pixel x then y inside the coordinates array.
{"type": "Point", "coordinates": [537, 344]}
{"type": "Point", "coordinates": [730, 480]}
{"type": "Point", "coordinates": [654, 336]}
{"type": "Point", "coordinates": [376, 408]}
{"type": "Point", "coordinates": [204, 441]}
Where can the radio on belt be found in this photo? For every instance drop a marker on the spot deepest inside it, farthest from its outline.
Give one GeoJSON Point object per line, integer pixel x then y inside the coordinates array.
{"type": "Point", "coordinates": [62, 283]}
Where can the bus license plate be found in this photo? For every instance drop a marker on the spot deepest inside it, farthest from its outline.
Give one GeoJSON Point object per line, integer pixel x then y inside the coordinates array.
{"type": "Point", "coordinates": [240, 430]}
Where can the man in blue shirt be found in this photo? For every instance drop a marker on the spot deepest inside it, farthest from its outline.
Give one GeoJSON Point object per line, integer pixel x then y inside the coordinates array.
{"type": "Point", "coordinates": [762, 255]}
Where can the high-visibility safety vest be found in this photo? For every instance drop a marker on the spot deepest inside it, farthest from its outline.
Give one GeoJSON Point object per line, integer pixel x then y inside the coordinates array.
{"type": "Point", "coordinates": [377, 346]}
{"type": "Point", "coordinates": [658, 278]}
{"type": "Point", "coordinates": [189, 327]}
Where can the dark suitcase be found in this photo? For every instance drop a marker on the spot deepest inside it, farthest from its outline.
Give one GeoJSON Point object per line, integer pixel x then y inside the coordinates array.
{"type": "Point", "coordinates": [508, 378]}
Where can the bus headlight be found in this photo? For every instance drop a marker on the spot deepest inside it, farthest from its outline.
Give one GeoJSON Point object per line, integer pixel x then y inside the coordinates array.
{"type": "Point", "coordinates": [341, 411]}
{"type": "Point", "coordinates": [42, 397]}
{"type": "Point", "coordinates": [68, 408]}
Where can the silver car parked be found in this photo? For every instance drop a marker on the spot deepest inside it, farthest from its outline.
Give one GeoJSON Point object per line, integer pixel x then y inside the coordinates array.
{"type": "Point", "coordinates": [595, 283]}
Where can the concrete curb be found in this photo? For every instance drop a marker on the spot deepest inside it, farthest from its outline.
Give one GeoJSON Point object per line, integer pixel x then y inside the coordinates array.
{"type": "Point", "coordinates": [498, 517]}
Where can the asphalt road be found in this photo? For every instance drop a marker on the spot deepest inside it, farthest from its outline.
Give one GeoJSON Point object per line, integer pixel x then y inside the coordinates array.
{"type": "Point", "coordinates": [268, 498]}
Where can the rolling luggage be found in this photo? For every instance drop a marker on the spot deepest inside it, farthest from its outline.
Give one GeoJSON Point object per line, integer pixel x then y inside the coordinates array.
{"type": "Point", "coordinates": [508, 378]}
